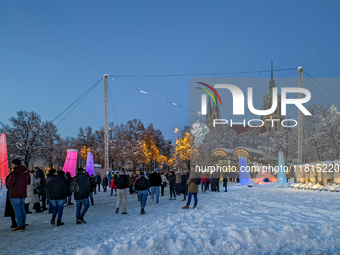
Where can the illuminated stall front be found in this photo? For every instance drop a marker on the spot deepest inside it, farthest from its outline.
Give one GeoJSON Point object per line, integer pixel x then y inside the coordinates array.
{"type": "Point", "coordinates": [230, 158]}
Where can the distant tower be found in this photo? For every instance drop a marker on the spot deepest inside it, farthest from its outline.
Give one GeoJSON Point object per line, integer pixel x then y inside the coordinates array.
{"type": "Point", "coordinates": [267, 103]}
{"type": "Point", "coordinates": [106, 126]}
{"type": "Point", "coordinates": [212, 113]}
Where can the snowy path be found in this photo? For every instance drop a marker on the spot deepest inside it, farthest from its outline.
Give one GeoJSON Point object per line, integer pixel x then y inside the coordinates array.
{"type": "Point", "coordinates": [259, 220]}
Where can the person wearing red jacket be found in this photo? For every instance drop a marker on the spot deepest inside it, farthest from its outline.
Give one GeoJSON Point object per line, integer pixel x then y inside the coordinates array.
{"type": "Point", "coordinates": [17, 192]}
{"type": "Point", "coordinates": [112, 184]}
{"type": "Point", "coordinates": [204, 179]}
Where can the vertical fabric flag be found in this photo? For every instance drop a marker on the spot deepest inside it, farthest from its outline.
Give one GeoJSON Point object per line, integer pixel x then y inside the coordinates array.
{"type": "Point", "coordinates": [71, 162]}
{"type": "Point", "coordinates": [89, 164]}
{"type": "Point", "coordinates": [244, 171]}
{"type": "Point", "coordinates": [281, 175]}
{"type": "Point", "coordinates": [3, 158]}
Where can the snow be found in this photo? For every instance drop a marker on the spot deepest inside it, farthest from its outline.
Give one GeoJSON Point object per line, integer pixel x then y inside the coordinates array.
{"type": "Point", "coordinates": [259, 220]}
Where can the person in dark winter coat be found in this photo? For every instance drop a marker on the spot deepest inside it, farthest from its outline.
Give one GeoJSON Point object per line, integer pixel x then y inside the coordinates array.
{"type": "Point", "coordinates": [82, 196]}
{"type": "Point", "coordinates": [178, 183]}
{"type": "Point", "coordinates": [9, 210]}
{"type": "Point", "coordinates": [184, 186]}
{"type": "Point", "coordinates": [172, 184]}
{"type": "Point", "coordinates": [42, 194]}
{"type": "Point", "coordinates": [155, 181]}
{"type": "Point", "coordinates": [109, 176]}
{"type": "Point", "coordinates": [98, 180]}
{"type": "Point", "coordinates": [50, 175]}
{"type": "Point", "coordinates": [92, 186]}
{"type": "Point", "coordinates": [57, 191]}
{"type": "Point", "coordinates": [122, 184]}
{"type": "Point", "coordinates": [216, 176]}
{"type": "Point", "coordinates": [142, 185]}
{"type": "Point", "coordinates": [105, 183]}
{"type": "Point", "coordinates": [225, 181]}
{"type": "Point", "coordinates": [68, 183]}
{"type": "Point", "coordinates": [17, 189]}
{"type": "Point", "coordinates": [208, 182]}
{"type": "Point", "coordinates": [131, 183]}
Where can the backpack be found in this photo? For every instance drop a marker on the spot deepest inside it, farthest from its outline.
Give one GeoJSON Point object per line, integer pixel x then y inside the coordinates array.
{"type": "Point", "coordinates": [75, 186]}
{"type": "Point", "coordinates": [197, 181]}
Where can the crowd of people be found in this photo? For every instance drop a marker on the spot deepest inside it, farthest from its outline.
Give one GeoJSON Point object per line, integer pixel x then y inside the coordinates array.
{"type": "Point", "coordinates": [55, 190]}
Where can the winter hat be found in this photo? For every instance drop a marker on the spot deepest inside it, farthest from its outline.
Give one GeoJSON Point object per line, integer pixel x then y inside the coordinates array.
{"type": "Point", "coordinates": [80, 169]}
{"type": "Point", "coordinates": [155, 170]}
{"type": "Point", "coordinates": [141, 173]}
{"type": "Point", "coordinates": [16, 162]}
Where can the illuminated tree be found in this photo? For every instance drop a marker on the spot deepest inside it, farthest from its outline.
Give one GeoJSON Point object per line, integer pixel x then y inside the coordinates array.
{"type": "Point", "coordinates": [185, 150]}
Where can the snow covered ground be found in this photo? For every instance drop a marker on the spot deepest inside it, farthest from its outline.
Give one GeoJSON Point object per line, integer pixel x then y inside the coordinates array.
{"type": "Point", "coordinates": [258, 220]}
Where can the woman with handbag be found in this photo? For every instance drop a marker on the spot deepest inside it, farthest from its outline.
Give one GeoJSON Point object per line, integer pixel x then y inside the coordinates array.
{"type": "Point", "coordinates": [32, 194]}
{"type": "Point", "coordinates": [9, 211]}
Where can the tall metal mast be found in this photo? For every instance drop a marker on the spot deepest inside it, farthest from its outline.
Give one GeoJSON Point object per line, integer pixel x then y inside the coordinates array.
{"type": "Point", "coordinates": [106, 128]}
{"type": "Point", "coordinates": [300, 119]}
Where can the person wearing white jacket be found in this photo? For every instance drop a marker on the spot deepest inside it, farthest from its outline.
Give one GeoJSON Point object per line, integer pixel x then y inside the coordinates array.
{"type": "Point", "coordinates": [31, 197]}
{"type": "Point", "coordinates": [164, 183]}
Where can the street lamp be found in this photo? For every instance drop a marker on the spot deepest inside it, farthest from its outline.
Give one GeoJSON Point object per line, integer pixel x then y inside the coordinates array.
{"type": "Point", "coordinates": [177, 131]}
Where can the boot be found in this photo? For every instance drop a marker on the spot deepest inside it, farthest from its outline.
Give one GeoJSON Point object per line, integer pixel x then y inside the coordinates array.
{"type": "Point", "coordinates": [117, 210]}
{"type": "Point", "coordinates": [184, 199]}
{"type": "Point", "coordinates": [53, 220]}
{"type": "Point", "coordinates": [37, 208]}
{"type": "Point", "coordinates": [82, 220]}
{"type": "Point", "coordinates": [19, 229]}
{"type": "Point", "coordinates": [194, 207]}
{"type": "Point", "coordinates": [26, 209]}
{"type": "Point", "coordinates": [185, 207]}
{"type": "Point", "coordinates": [170, 198]}
{"type": "Point", "coordinates": [59, 223]}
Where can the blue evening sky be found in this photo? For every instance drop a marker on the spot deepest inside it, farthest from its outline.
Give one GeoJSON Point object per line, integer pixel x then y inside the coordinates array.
{"type": "Point", "coordinates": [51, 52]}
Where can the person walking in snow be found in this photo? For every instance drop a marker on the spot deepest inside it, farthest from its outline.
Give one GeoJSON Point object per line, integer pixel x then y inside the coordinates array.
{"type": "Point", "coordinates": [131, 183]}
{"type": "Point", "coordinates": [193, 182]}
{"type": "Point", "coordinates": [92, 186]}
{"type": "Point", "coordinates": [41, 192]}
{"type": "Point", "coordinates": [184, 186]}
{"type": "Point", "coordinates": [122, 184]}
{"type": "Point", "coordinates": [109, 176]}
{"type": "Point", "coordinates": [17, 192]}
{"type": "Point", "coordinates": [178, 182]}
{"type": "Point", "coordinates": [32, 195]}
{"type": "Point", "coordinates": [82, 196]}
{"type": "Point", "coordinates": [164, 183]}
{"type": "Point", "coordinates": [217, 176]}
{"type": "Point", "coordinates": [98, 180]}
{"type": "Point", "coordinates": [204, 179]}
{"type": "Point", "coordinates": [68, 183]}
{"type": "Point", "coordinates": [9, 210]}
{"type": "Point", "coordinates": [105, 183]}
{"type": "Point", "coordinates": [155, 181]}
{"type": "Point", "coordinates": [49, 176]}
{"type": "Point", "coordinates": [172, 183]}
{"type": "Point", "coordinates": [57, 191]}
{"type": "Point", "coordinates": [225, 181]}
{"type": "Point", "coordinates": [142, 185]}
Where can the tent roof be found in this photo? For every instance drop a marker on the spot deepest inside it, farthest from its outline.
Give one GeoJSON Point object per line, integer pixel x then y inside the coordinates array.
{"type": "Point", "coordinates": [265, 175]}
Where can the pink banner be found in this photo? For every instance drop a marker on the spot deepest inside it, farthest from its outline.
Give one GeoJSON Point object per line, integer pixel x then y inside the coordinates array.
{"type": "Point", "coordinates": [71, 162]}
{"type": "Point", "coordinates": [3, 158]}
